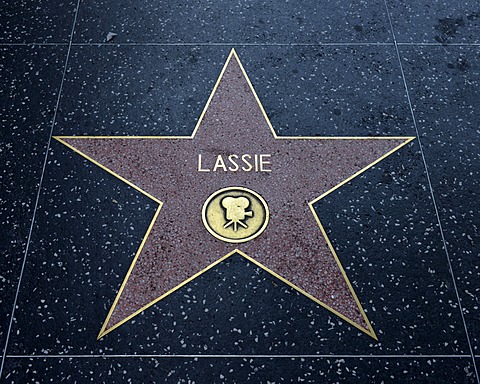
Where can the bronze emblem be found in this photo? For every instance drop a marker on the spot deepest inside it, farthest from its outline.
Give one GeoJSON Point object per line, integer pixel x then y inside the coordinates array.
{"type": "Point", "coordinates": [235, 214]}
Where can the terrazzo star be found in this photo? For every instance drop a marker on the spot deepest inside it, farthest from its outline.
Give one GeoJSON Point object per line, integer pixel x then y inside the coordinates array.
{"type": "Point", "coordinates": [283, 176]}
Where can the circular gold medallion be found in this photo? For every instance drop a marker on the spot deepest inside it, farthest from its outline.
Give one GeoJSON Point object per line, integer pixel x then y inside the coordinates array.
{"type": "Point", "coordinates": [235, 214]}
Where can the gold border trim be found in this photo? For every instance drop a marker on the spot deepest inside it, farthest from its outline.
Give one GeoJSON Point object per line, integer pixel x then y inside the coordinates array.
{"type": "Point", "coordinates": [369, 331]}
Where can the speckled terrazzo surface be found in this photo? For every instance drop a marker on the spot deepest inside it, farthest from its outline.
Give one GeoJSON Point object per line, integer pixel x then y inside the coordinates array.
{"type": "Point", "coordinates": [405, 231]}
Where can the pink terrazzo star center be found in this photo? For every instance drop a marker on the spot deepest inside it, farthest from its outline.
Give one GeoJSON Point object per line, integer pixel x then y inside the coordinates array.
{"type": "Point", "coordinates": [232, 138]}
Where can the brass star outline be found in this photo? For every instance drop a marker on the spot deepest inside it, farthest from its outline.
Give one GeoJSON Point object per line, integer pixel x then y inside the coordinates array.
{"type": "Point", "coordinates": [368, 330]}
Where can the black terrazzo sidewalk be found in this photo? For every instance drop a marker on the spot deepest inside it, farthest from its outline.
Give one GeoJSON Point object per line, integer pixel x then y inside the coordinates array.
{"type": "Point", "coordinates": [406, 231]}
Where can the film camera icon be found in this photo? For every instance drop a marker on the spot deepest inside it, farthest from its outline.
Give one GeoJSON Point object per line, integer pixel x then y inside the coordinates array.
{"type": "Point", "coordinates": [236, 211]}
{"type": "Point", "coordinates": [235, 214]}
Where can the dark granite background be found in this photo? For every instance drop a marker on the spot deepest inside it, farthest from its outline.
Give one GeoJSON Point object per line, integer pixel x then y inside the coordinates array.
{"type": "Point", "coordinates": [406, 231]}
